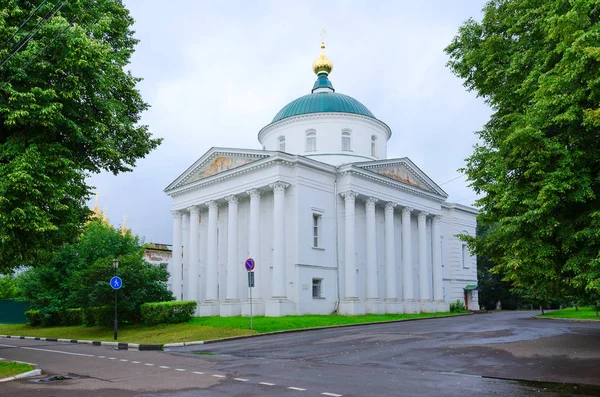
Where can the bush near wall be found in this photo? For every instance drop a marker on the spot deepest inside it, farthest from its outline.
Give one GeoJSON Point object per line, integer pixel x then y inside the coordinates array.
{"type": "Point", "coordinates": [71, 317]}
{"type": "Point", "coordinates": [168, 312]}
{"type": "Point", "coordinates": [37, 318]}
{"type": "Point", "coordinates": [98, 316]}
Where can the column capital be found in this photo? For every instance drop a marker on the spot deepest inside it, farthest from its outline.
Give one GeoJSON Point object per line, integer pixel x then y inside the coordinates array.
{"type": "Point", "coordinates": [407, 210]}
{"type": "Point", "coordinates": [232, 199]}
{"type": "Point", "coordinates": [279, 187]}
{"type": "Point", "coordinates": [370, 202]}
{"type": "Point", "coordinates": [253, 193]}
{"type": "Point", "coordinates": [437, 219]}
{"type": "Point", "coordinates": [176, 214]}
{"type": "Point", "coordinates": [389, 206]}
{"type": "Point", "coordinates": [423, 215]}
{"type": "Point", "coordinates": [194, 209]}
{"type": "Point", "coordinates": [212, 205]}
{"type": "Point", "coordinates": [349, 195]}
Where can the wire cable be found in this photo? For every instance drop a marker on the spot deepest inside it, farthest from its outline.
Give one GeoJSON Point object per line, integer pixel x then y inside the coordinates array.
{"type": "Point", "coordinates": [451, 180]}
{"type": "Point", "coordinates": [41, 24]}
{"type": "Point", "coordinates": [24, 23]}
{"type": "Point", "coordinates": [46, 46]}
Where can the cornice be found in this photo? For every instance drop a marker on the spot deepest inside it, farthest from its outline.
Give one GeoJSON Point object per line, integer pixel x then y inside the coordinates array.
{"type": "Point", "coordinates": [322, 115]}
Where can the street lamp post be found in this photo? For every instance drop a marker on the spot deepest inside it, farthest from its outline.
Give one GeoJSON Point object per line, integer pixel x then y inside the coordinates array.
{"type": "Point", "coordinates": [115, 326]}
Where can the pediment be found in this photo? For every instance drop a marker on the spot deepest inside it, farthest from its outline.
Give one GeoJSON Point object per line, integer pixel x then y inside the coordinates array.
{"type": "Point", "coordinates": [216, 161]}
{"type": "Point", "coordinates": [405, 171]}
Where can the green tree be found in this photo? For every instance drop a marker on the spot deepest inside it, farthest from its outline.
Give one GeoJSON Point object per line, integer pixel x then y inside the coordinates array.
{"type": "Point", "coordinates": [79, 274]}
{"type": "Point", "coordinates": [68, 109]}
{"type": "Point", "coordinates": [536, 63]}
{"type": "Point", "coordinates": [8, 287]}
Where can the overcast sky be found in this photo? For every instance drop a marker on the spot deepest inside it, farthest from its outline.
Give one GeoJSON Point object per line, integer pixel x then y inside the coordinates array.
{"type": "Point", "coordinates": [215, 73]}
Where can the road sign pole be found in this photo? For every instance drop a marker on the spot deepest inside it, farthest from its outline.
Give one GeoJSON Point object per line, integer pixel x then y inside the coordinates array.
{"type": "Point", "coordinates": [115, 326]}
{"type": "Point", "coordinates": [249, 275]}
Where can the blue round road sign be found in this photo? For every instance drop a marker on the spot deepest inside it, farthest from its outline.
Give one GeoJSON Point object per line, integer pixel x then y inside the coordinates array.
{"type": "Point", "coordinates": [116, 282]}
{"type": "Point", "coordinates": [249, 264]}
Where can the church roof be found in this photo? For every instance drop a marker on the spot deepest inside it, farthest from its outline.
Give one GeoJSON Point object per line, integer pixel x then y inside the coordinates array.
{"type": "Point", "coordinates": [323, 102]}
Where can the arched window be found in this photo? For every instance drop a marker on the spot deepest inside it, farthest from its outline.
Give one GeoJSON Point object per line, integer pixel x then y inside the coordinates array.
{"type": "Point", "coordinates": [281, 141]}
{"type": "Point", "coordinates": [346, 141]}
{"type": "Point", "coordinates": [311, 140]}
{"type": "Point", "coordinates": [373, 146]}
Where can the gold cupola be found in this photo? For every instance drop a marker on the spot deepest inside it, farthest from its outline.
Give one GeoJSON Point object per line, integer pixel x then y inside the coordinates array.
{"type": "Point", "coordinates": [322, 64]}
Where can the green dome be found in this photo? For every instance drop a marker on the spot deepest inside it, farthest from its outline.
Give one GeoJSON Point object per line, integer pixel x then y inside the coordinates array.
{"type": "Point", "coordinates": [323, 102]}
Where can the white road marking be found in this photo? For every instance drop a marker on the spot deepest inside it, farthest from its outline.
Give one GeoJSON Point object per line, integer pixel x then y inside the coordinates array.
{"type": "Point", "coordinates": [123, 360]}
{"type": "Point", "coordinates": [241, 379]}
{"type": "Point", "coordinates": [112, 358]}
{"type": "Point", "coordinates": [266, 383]}
{"type": "Point", "coordinates": [219, 376]}
{"type": "Point", "coordinates": [101, 356]}
{"type": "Point", "coordinates": [135, 362]}
{"type": "Point", "coordinates": [58, 351]}
{"type": "Point", "coordinates": [164, 366]}
{"type": "Point", "coordinates": [296, 388]}
{"type": "Point", "coordinates": [332, 394]}
{"type": "Point", "coordinates": [148, 364]}
{"type": "Point", "coordinates": [8, 345]}
{"type": "Point", "coordinates": [180, 369]}
{"type": "Point", "coordinates": [199, 373]}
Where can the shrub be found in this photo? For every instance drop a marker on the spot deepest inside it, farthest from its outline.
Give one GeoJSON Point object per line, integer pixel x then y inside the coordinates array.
{"type": "Point", "coordinates": [98, 316]}
{"type": "Point", "coordinates": [34, 317]}
{"type": "Point", "coordinates": [168, 312]}
{"type": "Point", "coordinates": [457, 307]}
{"type": "Point", "coordinates": [71, 317]}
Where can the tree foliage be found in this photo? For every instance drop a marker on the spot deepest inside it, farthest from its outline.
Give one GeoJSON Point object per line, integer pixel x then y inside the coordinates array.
{"type": "Point", "coordinates": [78, 275]}
{"type": "Point", "coordinates": [536, 63]}
{"type": "Point", "coordinates": [68, 109]}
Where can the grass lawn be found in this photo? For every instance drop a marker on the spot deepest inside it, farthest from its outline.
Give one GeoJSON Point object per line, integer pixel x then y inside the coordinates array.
{"type": "Point", "coordinates": [8, 369]}
{"type": "Point", "coordinates": [585, 313]}
{"type": "Point", "coordinates": [200, 328]}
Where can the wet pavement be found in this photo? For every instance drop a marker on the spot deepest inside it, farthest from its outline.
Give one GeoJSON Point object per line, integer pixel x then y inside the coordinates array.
{"type": "Point", "coordinates": [508, 354]}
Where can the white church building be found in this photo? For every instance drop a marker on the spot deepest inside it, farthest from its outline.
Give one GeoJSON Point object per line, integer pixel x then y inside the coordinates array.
{"type": "Point", "coordinates": [331, 222]}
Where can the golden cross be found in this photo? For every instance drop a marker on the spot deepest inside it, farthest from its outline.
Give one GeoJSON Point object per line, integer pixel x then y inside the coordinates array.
{"type": "Point", "coordinates": [323, 35]}
{"type": "Point", "coordinates": [124, 218]}
{"type": "Point", "coordinates": [97, 198]}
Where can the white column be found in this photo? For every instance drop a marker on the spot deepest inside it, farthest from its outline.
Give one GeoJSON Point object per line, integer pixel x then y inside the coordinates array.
{"type": "Point", "coordinates": [185, 221]}
{"type": "Point", "coordinates": [372, 288]}
{"type": "Point", "coordinates": [424, 281]}
{"type": "Point", "coordinates": [233, 267]}
{"type": "Point", "coordinates": [436, 240]}
{"type": "Point", "coordinates": [409, 303]}
{"type": "Point", "coordinates": [350, 304]}
{"type": "Point", "coordinates": [279, 304]}
{"type": "Point", "coordinates": [392, 305]}
{"type": "Point", "coordinates": [194, 252]}
{"type": "Point", "coordinates": [278, 278]}
{"type": "Point", "coordinates": [176, 260]}
{"type": "Point", "coordinates": [258, 306]}
{"type": "Point", "coordinates": [211, 306]}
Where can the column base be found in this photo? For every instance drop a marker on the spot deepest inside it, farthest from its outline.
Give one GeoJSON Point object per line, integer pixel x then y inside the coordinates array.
{"type": "Point", "coordinates": [231, 308]}
{"type": "Point", "coordinates": [442, 306]}
{"type": "Point", "coordinates": [410, 306]}
{"type": "Point", "coordinates": [427, 306]}
{"type": "Point", "coordinates": [278, 307]}
{"type": "Point", "coordinates": [258, 307]}
{"type": "Point", "coordinates": [393, 306]}
{"type": "Point", "coordinates": [351, 307]}
{"type": "Point", "coordinates": [209, 308]}
{"type": "Point", "coordinates": [374, 306]}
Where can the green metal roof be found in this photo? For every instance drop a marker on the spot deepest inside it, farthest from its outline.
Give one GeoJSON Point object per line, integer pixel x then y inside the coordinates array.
{"type": "Point", "coordinates": [470, 287]}
{"type": "Point", "coordinates": [323, 102]}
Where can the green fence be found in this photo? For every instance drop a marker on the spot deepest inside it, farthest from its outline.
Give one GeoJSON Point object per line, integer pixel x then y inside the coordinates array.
{"type": "Point", "coordinates": [13, 312]}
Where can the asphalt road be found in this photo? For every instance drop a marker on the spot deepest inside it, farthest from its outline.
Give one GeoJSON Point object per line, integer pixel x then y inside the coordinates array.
{"type": "Point", "coordinates": [477, 355]}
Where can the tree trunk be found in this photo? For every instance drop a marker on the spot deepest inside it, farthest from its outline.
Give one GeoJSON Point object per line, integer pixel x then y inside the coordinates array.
{"type": "Point", "coordinates": [576, 308]}
{"type": "Point", "coordinates": [596, 307]}
{"type": "Point", "coordinates": [542, 309]}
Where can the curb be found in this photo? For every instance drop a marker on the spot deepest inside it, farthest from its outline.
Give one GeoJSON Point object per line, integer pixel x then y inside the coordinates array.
{"type": "Point", "coordinates": [146, 347]}
{"type": "Point", "coordinates": [572, 320]}
{"type": "Point", "coordinates": [118, 345]}
{"type": "Point", "coordinates": [291, 331]}
{"type": "Point", "coordinates": [28, 374]}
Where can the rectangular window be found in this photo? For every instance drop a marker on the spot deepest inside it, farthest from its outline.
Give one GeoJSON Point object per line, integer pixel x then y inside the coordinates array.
{"type": "Point", "coordinates": [346, 142]}
{"type": "Point", "coordinates": [373, 149]}
{"type": "Point", "coordinates": [317, 291]}
{"type": "Point", "coordinates": [311, 143]}
{"type": "Point", "coordinates": [465, 256]}
{"type": "Point", "coordinates": [316, 227]}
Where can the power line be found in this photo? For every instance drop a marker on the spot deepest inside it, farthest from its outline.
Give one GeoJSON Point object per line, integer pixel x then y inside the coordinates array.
{"type": "Point", "coordinates": [46, 46]}
{"type": "Point", "coordinates": [24, 23]}
{"type": "Point", "coordinates": [41, 24]}
{"type": "Point", "coordinates": [451, 180]}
